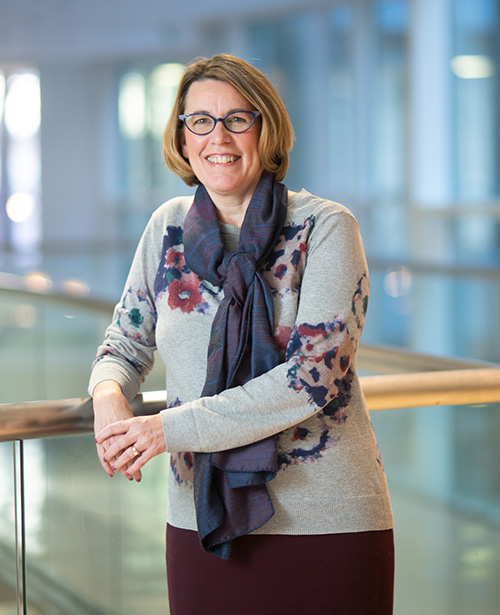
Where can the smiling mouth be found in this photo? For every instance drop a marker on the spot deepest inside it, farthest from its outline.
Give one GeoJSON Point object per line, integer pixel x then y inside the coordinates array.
{"type": "Point", "coordinates": [222, 159]}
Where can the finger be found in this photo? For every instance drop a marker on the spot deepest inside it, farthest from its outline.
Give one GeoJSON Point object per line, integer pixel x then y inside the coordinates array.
{"type": "Point", "coordinates": [127, 458]}
{"type": "Point", "coordinates": [113, 429]}
{"type": "Point", "coordinates": [105, 459]}
{"type": "Point", "coordinates": [105, 463]}
{"type": "Point", "coordinates": [107, 455]}
{"type": "Point", "coordinates": [136, 475]}
{"type": "Point", "coordinates": [118, 446]}
{"type": "Point", "coordinates": [133, 465]}
{"type": "Point", "coordinates": [139, 462]}
{"type": "Point", "coordinates": [146, 455]}
{"type": "Point", "coordinates": [131, 474]}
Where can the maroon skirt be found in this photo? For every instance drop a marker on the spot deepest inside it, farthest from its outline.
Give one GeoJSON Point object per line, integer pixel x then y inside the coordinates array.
{"type": "Point", "coordinates": [341, 574]}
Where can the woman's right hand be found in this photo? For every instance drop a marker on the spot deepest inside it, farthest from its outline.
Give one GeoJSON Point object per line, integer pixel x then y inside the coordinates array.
{"type": "Point", "coordinates": [110, 406]}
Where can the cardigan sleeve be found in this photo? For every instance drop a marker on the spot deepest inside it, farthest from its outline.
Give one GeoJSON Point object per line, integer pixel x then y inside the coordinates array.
{"type": "Point", "coordinates": [319, 355]}
{"type": "Point", "coordinates": [127, 352]}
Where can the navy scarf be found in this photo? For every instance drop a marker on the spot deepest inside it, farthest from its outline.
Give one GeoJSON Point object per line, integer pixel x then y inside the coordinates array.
{"type": "Point", "coordinates": [231, 497]}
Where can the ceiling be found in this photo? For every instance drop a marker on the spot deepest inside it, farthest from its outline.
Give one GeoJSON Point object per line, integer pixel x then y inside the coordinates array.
{"type": "Point", "coordinates": [69, 30]}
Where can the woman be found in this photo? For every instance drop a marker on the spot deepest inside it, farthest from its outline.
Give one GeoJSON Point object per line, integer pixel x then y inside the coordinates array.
{"type": "Point", "coordinates": [255, 297]}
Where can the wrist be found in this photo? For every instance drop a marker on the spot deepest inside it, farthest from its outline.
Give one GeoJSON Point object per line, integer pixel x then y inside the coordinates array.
{"type": "Point", "coordinates": [106, 388]}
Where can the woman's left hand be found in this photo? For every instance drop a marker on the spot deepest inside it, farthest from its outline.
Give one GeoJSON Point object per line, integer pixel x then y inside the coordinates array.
{"type": "Point", "coordinates": [134, 441]}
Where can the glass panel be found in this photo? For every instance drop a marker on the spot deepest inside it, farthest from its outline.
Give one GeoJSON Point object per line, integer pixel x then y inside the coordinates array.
{"type": "Point", "coordinates": [388, 115]}
{"type": "Point", "coordinates": [436, 313]}
{"type": "Point", "coordinates": [441, 465]}
{"type": "Point", "coordinates": [55, 345]}
{"type": "Point", "coordinates": [94, 545]}
{"type": "Point", "coordinates": [97, 546]}
{"type": "Point", "coordinates": [476, 459]}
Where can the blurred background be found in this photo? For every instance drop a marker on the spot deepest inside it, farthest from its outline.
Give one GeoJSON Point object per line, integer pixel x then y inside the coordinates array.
{"type": "Point", "coordinates": [395, 105]}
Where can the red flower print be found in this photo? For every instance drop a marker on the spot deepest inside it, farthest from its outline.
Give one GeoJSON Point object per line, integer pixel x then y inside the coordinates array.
{"type": "Point", "coordinates": [184, 293]}
{"type": "Point", "coordinates": [174, 258]}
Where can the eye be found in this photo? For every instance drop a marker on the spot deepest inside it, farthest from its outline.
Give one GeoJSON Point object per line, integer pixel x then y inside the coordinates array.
{"type": "Point", "coordinates": [199, 120]}
{"type": "Point", "coordinates": [239, 119]}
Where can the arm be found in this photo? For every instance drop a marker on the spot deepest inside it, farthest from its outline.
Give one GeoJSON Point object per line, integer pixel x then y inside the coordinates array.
{"type": "Point", "coordinates": [324, 340]}
{"type": "Point", "coordinates": [110, 405]}
{"type": "Point", "coordinates": [322, 346]}
{"type": "Point", "coordinates": [127, 353]}
{"type": "Point", "coordinates": [111, 409]}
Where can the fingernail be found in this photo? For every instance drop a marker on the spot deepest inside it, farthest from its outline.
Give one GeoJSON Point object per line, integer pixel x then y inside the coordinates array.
{"type": "Point", "coordinates": [95, 440]}
{"type": "Point", "coordinates": [105, 460]}
{"type": "Point", "coordinates": [126, 473]}
{"type": "Point", "coordinates": [113, 468]}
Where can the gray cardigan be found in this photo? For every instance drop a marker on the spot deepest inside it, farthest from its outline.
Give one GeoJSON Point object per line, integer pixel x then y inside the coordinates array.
{"type": "Point", "coordinates": [330, 477]}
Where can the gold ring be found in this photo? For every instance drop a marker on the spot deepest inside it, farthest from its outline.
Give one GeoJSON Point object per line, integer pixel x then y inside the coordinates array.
{"type": "Point", "coordinates": [136, 452]}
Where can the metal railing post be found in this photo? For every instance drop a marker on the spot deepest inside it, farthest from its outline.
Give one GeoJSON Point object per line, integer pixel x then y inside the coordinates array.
{"type": "Point", "coordinates": [20, 526]}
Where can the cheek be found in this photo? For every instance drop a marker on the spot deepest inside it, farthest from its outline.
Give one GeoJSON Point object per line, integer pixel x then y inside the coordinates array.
{"type": "Point", "coordinates": [192, 146]}
{"type": "Point", "coordinates": [254, 148]}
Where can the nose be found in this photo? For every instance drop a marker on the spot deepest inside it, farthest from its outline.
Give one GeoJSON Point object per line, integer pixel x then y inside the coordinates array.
{"type": "Point", "coordinates": [220, 132]}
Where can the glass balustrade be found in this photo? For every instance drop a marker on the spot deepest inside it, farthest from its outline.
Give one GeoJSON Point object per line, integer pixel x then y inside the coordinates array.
{"type": "Point", "coordinates": [442, 469]}
{"type": "Point", "coordinates": [96, 545]}
{"type": "Point", "coordinates": [93, 544]}
{"type": "Point", "coordinates": [47, 349]}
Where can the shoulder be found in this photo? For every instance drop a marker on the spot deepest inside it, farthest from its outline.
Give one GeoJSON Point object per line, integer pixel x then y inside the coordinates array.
{"type": "Point", "coordinates": [168, 220]}
{"type": "Point", "coordinates": [172, 212]}
{"type": "Point", "coordinates": [166, 224]}
{"type": "Point", "coordinates": [320, 215]}
{"type": "Point", "coordinates": [303, 204]}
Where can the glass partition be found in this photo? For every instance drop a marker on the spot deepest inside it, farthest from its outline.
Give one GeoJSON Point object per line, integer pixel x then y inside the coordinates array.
{"type": "Point", "coordinates": [93, 544]}
{"type": "Point", "coordinates": [442, 469]}
{"type": "Point", "coordinates": [47, 349]}
{"type": "Point", "coordinates": [96, 545]}
{"type": "Point", "coordinates": [448, 311]}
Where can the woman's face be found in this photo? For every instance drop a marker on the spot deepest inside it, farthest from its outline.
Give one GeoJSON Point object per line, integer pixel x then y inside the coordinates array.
{"type": "Point", "coordinates": [227, 164]}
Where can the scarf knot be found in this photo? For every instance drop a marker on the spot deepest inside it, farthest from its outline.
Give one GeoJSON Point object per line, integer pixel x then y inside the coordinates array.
{"type": "Point", "coordinates": [238, 271]}
{"type": "Point", "coordinates": [231, 498]}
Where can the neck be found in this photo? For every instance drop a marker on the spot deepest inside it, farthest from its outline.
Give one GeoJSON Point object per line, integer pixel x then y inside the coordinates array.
{"type": "Point", "coordinates": [231, 209]}
{"type": "Point", "coordinates": [231, 212]}
{"type": "Point", "coordinates": [232, 206]}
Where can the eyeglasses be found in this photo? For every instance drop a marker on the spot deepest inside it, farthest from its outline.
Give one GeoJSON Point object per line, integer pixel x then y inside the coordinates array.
{"type": "Point", "coordinates": [203, 123]}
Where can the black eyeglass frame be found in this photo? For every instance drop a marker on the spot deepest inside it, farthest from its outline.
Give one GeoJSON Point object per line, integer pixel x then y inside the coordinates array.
{"type": "Point", "coordinates": [255, 114]}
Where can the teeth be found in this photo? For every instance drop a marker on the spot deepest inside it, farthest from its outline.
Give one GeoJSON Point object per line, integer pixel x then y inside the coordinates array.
{"type": "Point", "coordinates": [221, 159]}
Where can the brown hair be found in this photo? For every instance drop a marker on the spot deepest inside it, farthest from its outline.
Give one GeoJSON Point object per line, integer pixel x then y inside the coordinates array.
{"type": "Point", "coordinates": [276, 136]}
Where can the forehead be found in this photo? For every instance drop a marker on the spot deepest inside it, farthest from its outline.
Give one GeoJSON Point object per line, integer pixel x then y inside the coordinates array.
{"type": "Point", "coordinates": [214, 95]}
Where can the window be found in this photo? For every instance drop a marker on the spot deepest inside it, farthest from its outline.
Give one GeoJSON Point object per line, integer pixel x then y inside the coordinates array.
{"type": "Point", "coordinates": [20, 182]}
{"type": "Point", "coordinates": [475, 71]}
{"type": "Point", "coordinates": [145, 99]}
